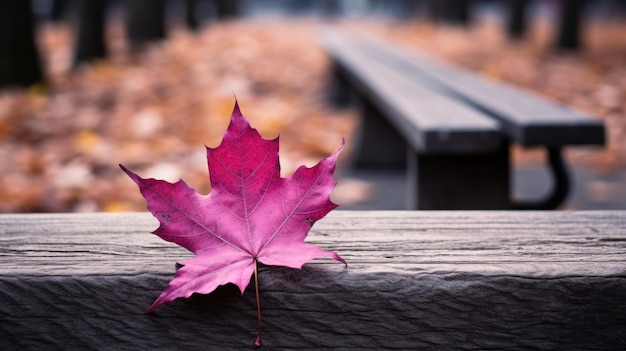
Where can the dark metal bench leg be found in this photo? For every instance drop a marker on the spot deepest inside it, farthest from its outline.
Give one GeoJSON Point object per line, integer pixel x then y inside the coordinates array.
{"type": "Point", "coordinates": [561, 187]}
{"type": "Point", "coordinates": [380, 145]}
{"type": "Point", "coordinates": [339, 90]}
{"type": "Point", "coordinates": [458, 182]}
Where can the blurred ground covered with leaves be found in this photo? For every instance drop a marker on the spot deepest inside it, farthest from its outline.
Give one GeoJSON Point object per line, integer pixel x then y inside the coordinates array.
{"type": "Point", "coordinates": [155, 110]}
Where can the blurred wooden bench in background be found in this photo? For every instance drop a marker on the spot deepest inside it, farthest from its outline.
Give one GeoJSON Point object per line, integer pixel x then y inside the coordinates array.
{"type": "Point", "coordinates": [450, 128]}
{"type": "Point", "coordinates": [416, 280]}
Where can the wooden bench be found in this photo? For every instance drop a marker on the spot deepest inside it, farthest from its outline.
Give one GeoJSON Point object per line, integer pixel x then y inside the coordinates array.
{"type": "Point", "coordinates": [475, 280]}
{"type": "Point", "coordinates": [450, 128]}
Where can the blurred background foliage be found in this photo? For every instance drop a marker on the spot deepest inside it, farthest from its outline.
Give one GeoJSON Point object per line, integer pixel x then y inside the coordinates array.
{"type": "Point", "coordinates": [88, 84]}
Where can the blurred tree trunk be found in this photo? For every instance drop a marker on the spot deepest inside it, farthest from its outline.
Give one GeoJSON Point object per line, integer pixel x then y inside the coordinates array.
{"type": "Point", "coordinates": [331, 8]}
{"type": "Point", "coordinates": [19, 59]}
{"type": "Point", "coordinates": [90, 43]}
{"type": "Point", "coordinates": [406, 9]}
{"type": "Point", "coordinates": [451, 11]}
{"type": "Point", "coordinates": [145, 21]}
{"type": "Point", "coordinates": [191, 14]}
{"type": "Point", "coordinates": [227, 9]}
{"type": "Point", "coordinates": [58, 11]}
{"type": "Point", "coordinates": [570, 24]}
{"type": "Point", "coordinates": [517, 18]}
{"type": "Point", "coordinates": [300, 6]}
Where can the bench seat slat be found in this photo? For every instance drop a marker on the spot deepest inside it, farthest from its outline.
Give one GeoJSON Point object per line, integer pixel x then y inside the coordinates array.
{"type": "Point", "coordinates": [526, 117]}
{"type": "Point", "coordinates": [429, 121]}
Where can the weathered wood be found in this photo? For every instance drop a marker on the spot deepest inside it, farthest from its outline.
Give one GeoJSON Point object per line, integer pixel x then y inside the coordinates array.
{"type": "Point", "coordinates": [416, 280]}
{"type": "Point", "coordinates": [525, 117]}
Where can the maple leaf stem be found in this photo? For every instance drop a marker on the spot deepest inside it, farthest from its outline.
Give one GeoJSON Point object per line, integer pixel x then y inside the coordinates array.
{"type": "Point", "coordinates": [257, 342]}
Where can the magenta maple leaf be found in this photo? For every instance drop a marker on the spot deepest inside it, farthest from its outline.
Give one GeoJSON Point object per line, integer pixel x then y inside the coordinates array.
{"type": "Point", "coordinates": [251, 214]}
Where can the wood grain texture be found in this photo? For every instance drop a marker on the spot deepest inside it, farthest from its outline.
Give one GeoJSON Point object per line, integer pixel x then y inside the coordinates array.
{"type": "Point", "coordinates": [416, 280]}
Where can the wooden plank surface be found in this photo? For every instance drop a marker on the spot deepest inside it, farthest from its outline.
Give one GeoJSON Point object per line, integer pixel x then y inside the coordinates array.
{"type": "Point", "coordinates": [430, 122]}
{"type": "Point", "coordinates": [416, 280]}
{"type": "Point", "coordinates": [526, 117]}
